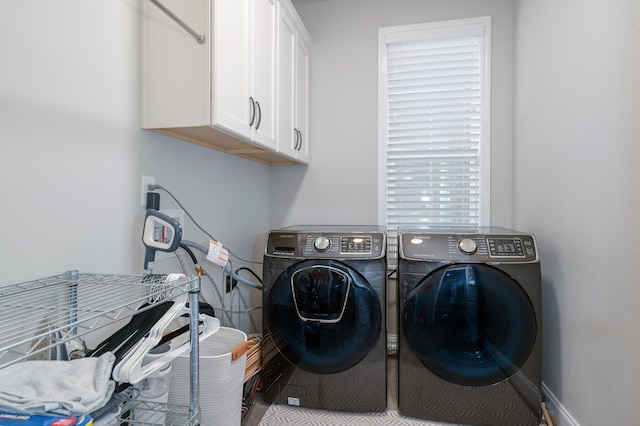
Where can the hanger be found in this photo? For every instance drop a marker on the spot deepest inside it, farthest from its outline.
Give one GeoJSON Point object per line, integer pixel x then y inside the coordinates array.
{"type": "Point", "coordinates": [125, 338]}
{"type": "Point", "coordinates": [130, 369]}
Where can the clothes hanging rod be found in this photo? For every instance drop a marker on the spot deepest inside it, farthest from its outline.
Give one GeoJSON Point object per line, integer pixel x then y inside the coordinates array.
{"type": "Point", "coordinates": [199, 38]}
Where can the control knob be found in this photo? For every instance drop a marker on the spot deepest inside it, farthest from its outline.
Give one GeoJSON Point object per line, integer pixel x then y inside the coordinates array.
{"type": "Point", "coordinates": [322, 244]}
{"type": "Point", "coordinates": [467, 246]}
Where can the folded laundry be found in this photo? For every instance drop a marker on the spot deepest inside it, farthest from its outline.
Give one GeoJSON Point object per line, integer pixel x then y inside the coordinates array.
{"type": "Point", "coordinates": [69, 388]}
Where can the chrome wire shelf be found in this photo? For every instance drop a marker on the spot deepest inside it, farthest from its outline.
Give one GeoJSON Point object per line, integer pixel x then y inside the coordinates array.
{"type": "Point", "coordinates": [38, 316]}
{"type": "Point", "coordinates": [157, 414]}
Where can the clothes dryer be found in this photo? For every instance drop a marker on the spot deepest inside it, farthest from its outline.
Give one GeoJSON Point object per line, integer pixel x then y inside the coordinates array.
{"type": "Point", "coordinates": [470, 331]}
{"type": "Point", "coordinates": [324, 318]}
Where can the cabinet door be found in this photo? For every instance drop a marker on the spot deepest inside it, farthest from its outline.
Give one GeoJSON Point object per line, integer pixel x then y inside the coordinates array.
{"type": "Point", "coordinates": [232, 108]}
{"type": "Point", "coordinates": [287, 136]}
{"type": "Point", "coordinates": [302, 100]}
{"type": "Point", "coordinates": [244, 68]}
{"type": "Point", "coordinates": [263, 71]}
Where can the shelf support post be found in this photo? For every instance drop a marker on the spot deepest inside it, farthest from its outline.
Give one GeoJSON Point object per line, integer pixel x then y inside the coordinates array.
{"type": "Point", "coordinates": [72, 279]}
{"type": "Point", "coordinates": [194, 304]}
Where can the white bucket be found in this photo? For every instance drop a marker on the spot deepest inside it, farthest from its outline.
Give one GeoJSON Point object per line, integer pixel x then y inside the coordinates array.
{"type": "Point", "coordinates": [221, 378]}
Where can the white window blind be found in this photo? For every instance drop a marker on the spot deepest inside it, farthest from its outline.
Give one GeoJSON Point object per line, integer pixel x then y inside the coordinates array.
{"type": "Point", "coordinates": [434, 115]}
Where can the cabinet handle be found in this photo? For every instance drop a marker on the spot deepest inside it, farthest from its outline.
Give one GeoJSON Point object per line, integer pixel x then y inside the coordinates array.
{"type": "Point", "coordinates": [259, 115]}
{"type": "Point", "coordinates": [253, 111]}
{"type": "Point", "coordinates": [300, 134]}
{"type": "Point", "coordinates": [295, 145]}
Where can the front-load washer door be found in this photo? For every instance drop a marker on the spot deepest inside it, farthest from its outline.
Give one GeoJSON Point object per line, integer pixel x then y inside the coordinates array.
{"type": "Point", "coordinates": [470, 324]}
{"type": "Point", "coordinates": [323, 316]}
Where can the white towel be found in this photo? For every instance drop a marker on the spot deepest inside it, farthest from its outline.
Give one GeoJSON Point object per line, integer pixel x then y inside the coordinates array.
{"type": "Point", "coordinates": [68, 388]}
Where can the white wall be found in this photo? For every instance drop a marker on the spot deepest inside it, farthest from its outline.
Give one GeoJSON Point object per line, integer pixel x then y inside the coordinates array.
{"type": "Point", "coordinates": [577, 133]}
{"type": "Point", "coordinates": [72, 151]}
{"type": "Point", "coordinates": [340, 185]}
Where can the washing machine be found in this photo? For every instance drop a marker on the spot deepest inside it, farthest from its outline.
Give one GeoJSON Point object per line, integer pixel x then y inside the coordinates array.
{"type": "Point", "coordinates": [470, 331]}
{"type": "Point", "coordinates": [324, 318]}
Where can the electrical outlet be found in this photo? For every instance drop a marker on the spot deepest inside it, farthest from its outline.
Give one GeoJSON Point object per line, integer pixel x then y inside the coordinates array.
{"type": "Point", "coordinates": [144, 188]}
{"type": "Point", "coordinates": [231, 283]}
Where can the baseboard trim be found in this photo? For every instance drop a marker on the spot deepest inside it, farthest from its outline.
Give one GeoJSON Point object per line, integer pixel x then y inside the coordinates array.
{"type": "Point", "coordinates": [560, 416]}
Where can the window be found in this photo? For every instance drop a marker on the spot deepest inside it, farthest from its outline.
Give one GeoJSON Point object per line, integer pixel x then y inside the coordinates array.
{"type": "Point", "coordinates": [434, 125]}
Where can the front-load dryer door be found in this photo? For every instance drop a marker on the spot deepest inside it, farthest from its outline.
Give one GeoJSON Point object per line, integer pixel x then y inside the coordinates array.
{"type": "Point", "coordinates": [323, 316]}
{"type": "Point", "coordinates": [470, 324]}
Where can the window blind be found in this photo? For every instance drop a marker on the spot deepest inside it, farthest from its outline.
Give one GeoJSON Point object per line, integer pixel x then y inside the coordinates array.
{"type": "Point", "coordinates": [436, 103]}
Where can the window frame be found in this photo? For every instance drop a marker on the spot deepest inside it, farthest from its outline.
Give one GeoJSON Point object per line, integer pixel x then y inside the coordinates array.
{"type": "Point", "coordinates": [432, 31]}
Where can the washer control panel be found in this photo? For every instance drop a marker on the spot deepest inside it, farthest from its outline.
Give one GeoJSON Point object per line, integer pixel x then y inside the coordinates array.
{"type": "Point", "coordinates": [468, 247]}
{"type": "Point", "coordinates": [356, 244]}
{"type": "Point", "coordinates": [343, 245]}
{"type": "Point", "coordinates": [506, 247]}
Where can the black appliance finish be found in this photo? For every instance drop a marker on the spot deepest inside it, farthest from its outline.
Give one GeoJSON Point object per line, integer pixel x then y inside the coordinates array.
{"type": "Point", "coordinates": [324, 318]}
{"type": "Point", "coordinates": [469, 318]}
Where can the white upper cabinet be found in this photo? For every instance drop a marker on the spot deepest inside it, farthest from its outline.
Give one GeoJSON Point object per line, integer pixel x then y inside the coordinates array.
{"type": "Point", "coordinates": [263, 88]}
{"type": "Point", "coordinates": [286, 84]}
{"type": "Point", "coordinates": [222, 93]}
{"type": "Point", "coordinates": [293, 76]}
{"type": "Point", "coordinates": [303, 54]}
{"type": "Point", "coordinates": [244, 68]}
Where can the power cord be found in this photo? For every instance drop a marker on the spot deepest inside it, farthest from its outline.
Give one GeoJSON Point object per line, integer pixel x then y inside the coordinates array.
{"type": "Point", "coordinates": [251, 272]}
{"type": "Point", "coordinates": [202, 272]}
{"type": "Point", "coordinates": [153, 187]}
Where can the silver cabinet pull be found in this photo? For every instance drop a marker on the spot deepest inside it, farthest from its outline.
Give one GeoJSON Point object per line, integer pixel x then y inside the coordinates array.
{"type": "Point", "coordinates": [253, 111]}
{"type": "Point", "coordinates": [259, 115]}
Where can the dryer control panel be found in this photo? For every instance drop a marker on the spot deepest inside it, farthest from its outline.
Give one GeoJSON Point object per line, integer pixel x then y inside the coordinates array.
{"type": "Point", "coordinates": [468, 247]}
{"type": "Point", "coordinates": [325, 244]}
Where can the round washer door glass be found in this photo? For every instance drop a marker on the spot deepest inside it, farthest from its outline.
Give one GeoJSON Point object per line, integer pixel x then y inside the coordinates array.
{"type": "Point", "coordinates": [324, 316]}
{"type": "Point", "coordinates": [470, 324]}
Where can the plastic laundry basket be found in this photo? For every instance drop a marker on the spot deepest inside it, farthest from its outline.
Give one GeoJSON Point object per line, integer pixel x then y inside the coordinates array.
{"type": "Point", "coordinates": [221, 378]}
